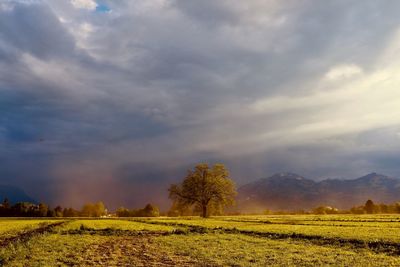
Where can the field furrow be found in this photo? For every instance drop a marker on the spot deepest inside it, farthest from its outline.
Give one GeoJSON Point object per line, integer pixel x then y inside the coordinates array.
{"type": "Point", "coordinates": [22, 232]}
{"type": "Point", "coordinates": [190, 241]}
{"type": "Point", "coordinates": [365, 233]}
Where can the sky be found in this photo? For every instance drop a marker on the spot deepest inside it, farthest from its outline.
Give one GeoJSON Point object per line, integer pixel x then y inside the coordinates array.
{"type": "Point", "coordinates": [116, 100]}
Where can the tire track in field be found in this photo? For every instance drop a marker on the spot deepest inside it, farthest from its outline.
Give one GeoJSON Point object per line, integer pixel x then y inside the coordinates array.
{"type": "Point", "coordinates": [135, 251]}
{"type": "Point", "coordinates": [129, 248]}
{"type": "Point", "coordinates": [25, 236]}
{"type": "Point", "coordinates": [309, 224]}
{"type": "Point", "coordinates": [387, 247]}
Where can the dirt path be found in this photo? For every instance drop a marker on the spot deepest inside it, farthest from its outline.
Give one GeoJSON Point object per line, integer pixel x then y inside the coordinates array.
{"type": "Point", "coordinates": [132, 251]}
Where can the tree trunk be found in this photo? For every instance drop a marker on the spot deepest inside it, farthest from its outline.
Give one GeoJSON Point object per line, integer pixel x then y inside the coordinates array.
{"type": "Point", "coordinates": [204, 213]}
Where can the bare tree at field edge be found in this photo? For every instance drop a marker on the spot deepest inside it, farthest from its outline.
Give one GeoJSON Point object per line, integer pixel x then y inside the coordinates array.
{"type": "Point", "coordinates": [204, 187]}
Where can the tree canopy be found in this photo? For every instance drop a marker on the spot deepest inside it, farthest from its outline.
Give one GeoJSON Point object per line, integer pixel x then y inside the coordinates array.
{"type": "Point", "coordinates": [148, 211]}
{"type": "Point", "coordinates": [94, 210]}
{"type": "Point", "coordinates": [205, 188]}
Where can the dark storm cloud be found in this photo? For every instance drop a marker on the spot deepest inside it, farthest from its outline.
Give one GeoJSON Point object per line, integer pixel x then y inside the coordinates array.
{"type": "Point", "coordinates": [36, 30]}
{"type": "Point", "coordinates": [116, 105]}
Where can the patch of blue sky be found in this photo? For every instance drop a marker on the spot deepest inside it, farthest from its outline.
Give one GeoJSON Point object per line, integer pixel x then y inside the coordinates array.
{"type": "Point", "coordinates": [101, 8]}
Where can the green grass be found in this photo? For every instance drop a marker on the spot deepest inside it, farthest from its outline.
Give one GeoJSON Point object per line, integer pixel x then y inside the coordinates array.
{"type": "Point", "coordinates": [86, 247]}
{"type": "Point", "coordinates": [49, 250]}
{"type": "Point", "coordinates": [242, 250]}
{"type": "Point", "coordinates": [117, 225]}
{"type": "Point", "coordinates": [337, 240]}
{"type": "Point", "coordinates": [346, 227]}
{"type": "Point", "coordinates": [13, 227]}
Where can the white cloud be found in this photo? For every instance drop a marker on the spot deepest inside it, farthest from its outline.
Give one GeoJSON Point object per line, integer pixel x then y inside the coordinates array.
{"type": "Point", "coordinates": [84, 4]}
{"type": "Point", "coordinates": [353, 107]}
{"type": "Point", "coordinates": [192, 80]}
{"type": "Point", "coordinates": [343, 71]}
{"type": "Point", "coordinates": [82, 33]}
{"type": "Point", "coordinates": [5, 7]}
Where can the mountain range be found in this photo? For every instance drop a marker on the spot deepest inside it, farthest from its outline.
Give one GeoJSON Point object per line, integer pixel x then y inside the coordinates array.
{"type": "Point", "coordinates": [289, 192]}
{"type": "Point", "coordinates": [14, 194]}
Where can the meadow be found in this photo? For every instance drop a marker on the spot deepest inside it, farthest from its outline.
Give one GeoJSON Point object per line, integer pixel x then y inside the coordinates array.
{"type": "Point", "coordinates": [270, 240]}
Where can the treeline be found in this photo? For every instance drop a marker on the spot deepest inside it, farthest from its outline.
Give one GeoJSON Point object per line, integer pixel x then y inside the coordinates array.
{"type": "Point", "coordinates": [371, 208]}
{"type": "Point", "coordinates": [148, 211]}
{"type": "Point", "coordinates": [368, 208]}
{"type": "Point", "coordinates": [178, 209]}
{"type": "Point", "coordinates": [26, 209]}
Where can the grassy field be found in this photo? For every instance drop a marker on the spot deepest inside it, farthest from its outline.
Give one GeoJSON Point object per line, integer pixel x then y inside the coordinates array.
{"type": "Point", "coordinates": [287, 240]}
{"type": "Point", "coordinates": [16, 227]}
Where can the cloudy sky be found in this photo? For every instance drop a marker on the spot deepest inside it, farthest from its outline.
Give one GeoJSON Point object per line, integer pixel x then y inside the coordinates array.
{"type": "Point", "coordinates": [115, 100]}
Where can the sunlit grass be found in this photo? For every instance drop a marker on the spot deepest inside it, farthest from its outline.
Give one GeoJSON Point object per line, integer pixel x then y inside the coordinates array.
{"type": "Point", "coordinates": [49, 250]}
{"type": "Point", "coordinates": [226, 241]}
{"type": "Point", "coordinates": [346, 227]}
{"type": "Point", "coordinates": [12, 227]}
{"type": "Point", "coordinates": [102, 224]}
{"type": "Point", "coordinates": [241, 250]}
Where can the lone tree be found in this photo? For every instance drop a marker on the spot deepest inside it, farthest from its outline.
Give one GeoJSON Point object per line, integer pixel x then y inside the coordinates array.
{"type": "Point", "coordinates": [369, 206]}
{"type": "Point", "coordinates": [205, 187]}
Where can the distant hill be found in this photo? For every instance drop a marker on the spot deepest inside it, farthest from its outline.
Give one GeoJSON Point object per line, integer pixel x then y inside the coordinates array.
{"type": "Point", "coordinates": [14, 194]}
{"type": "Point", "coordinates": [289, 191]}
